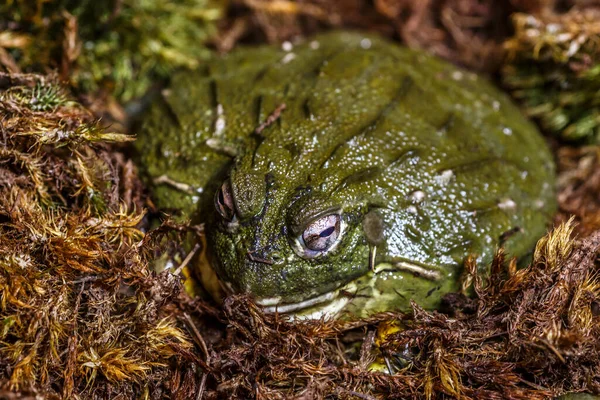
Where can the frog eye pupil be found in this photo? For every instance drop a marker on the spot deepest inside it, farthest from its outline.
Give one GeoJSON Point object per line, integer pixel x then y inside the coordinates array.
{"type": "Point", "coordinates": [224, 202]}
{"type": "Point", "coordinates": [323, 233]}
{"type": "Point", "coordinates": [327, 232]}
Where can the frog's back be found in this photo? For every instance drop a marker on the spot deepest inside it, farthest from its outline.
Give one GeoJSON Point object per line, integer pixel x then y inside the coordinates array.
{"type": "Point", "coordinates": [449, 162]}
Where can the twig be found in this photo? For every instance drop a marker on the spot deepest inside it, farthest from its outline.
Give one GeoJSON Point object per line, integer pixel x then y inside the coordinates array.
{"type": "Point", "coordinates": [187, 259]}
{"type": "Point", "coordinates": [274, 116]}
{"type": "Point", "coordinates": [197, 336]}
{"type": "Point", "coordinates": [356, 394]}
{"type": "Point", "coordinates": [202, 386]}
{"type": "Point", "coordinates": [554, 350]}
{"type": "Point", "coordinates": [365, 349]}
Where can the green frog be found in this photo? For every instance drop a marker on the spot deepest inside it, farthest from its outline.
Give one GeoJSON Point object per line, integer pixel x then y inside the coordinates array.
{"type": "Point", "coordinates": [346, 175]}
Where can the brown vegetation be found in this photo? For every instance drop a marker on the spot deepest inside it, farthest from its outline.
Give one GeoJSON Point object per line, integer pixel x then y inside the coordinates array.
{"type": "Point", "coordinates": [83, 316]}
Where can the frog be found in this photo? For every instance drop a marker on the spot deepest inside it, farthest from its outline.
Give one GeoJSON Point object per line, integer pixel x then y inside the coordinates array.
{"type": "Point", "coordinates": [346, 174]}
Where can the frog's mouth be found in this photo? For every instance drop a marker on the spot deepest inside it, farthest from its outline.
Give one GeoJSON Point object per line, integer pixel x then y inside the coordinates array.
{"type": "Point", "coordinates": [326, 304]}
{"type": "Point", "coordinates": [331, 303]}
{"type": "Point", "coordinates": [273, 304]}
{"type": "Point", "coordinates": [312, 307]}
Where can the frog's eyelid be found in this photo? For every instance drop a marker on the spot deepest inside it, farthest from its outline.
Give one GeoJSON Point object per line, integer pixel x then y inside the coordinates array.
{"type": "Point", "coordinates": [298, 229]}
{"type": "Point", "coordinates": [224, 202]}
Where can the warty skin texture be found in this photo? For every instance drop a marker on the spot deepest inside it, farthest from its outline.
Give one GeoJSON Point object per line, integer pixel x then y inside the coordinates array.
{"type": "Point", "coordinates": [423, 163]}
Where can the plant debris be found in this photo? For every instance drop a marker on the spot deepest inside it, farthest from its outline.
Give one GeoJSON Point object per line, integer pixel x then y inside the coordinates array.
{"type": "Point", "coordinates": [82, 315]}
{"type": "Point", "coordinates": [467, 32]}
{"type": "Point", "coordinates": [579, 186]}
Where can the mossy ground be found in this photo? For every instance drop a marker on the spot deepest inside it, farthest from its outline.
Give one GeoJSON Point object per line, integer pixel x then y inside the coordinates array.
{"type": "Point", "coordinates": [82, 315]}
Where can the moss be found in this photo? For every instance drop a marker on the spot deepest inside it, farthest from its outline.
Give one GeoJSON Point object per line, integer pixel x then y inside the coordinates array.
{"type": "Point", "coordinates": [79, 307]}
{"type": "Point", "coordinates": [121, 46]}
{"type": "Point", "coordinates": [554, 71]}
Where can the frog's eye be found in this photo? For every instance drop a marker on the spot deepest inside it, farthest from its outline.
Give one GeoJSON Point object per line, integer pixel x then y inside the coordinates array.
{"type": "Point", "coordinates": [224, 202]}
{"type": "Point", "coordinates": [321, 235]}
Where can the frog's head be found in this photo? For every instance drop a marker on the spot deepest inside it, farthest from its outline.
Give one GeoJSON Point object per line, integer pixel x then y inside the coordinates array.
{"type": "Point", "coordinates": [288, 244]}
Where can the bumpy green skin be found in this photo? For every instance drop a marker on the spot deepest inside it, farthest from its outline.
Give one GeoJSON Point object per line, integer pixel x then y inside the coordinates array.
{"type": "Point", "coordinates": [442, 161]}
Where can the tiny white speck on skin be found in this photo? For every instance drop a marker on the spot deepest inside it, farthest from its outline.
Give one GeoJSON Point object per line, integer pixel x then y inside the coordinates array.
{"type": "Point", "coordinates": [315, 45]}
{"type": "Point", "coordinates": [507, 131]}
{"type": "Point", "coordinates": [195, 199]}
{"type": "Point", "coordinates": [412, 210]}
{"type": "Point", "coordinates": [445, 177]}
{"type": "Point", "coordinates": [213, 143]}
{"type": "Point", "coordinates": [507, 205]}
{"type": "Point", "coordinates": [199, 190]}
{"type": "Point", "coordinates": [287, 46]}
{"type": "Point", "coordinates": [417, 196]}
{"type": "Point", "coordinates": [365, 43]}
{"type": "Point", "coordinates": [220, 122]}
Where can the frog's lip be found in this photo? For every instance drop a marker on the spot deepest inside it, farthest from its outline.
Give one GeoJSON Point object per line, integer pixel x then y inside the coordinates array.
{"type": "Point", "coordinates": [272, 304]}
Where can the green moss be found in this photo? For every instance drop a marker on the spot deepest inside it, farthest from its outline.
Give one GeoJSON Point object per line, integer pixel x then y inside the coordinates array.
{"type": "Point", "coordinates": [554, 70]}
{"type": "Point", "coordinates": [123, 46]}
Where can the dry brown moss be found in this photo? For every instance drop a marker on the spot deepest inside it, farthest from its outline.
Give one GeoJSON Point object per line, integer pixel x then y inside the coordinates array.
{"type": "Point", "coordinates": [81, 314]}
{"type": "Point", "coordinates": [579, 186]}
{"type": "Point", "coordinates": [467, 32]}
